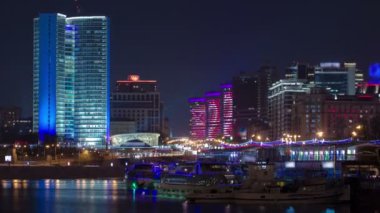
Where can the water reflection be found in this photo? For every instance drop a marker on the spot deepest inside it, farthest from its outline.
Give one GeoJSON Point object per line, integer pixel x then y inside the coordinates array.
{"type": "Point", "coordinates": [112, 196]}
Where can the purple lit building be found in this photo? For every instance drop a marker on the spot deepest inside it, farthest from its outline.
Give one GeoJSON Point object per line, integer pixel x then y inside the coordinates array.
{"type": "Point", "coordinates": [198, 118]}
{"type": "Point", "coordinates": [212, 116]}
{"type": "Point", "coordinates": [213, 112]}
{"type": "Point", "coordinates": [227, 110]}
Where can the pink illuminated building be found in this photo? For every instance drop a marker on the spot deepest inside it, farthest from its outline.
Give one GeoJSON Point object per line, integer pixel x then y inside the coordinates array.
{"type": "Point", "coordinates": [211, 117]}
{"type": "Point", "coordinates": [198, 118]}
{"type": "Point", "coordinates": [213, 111]}
{"type": "Point", "coordinates": [227, 110]}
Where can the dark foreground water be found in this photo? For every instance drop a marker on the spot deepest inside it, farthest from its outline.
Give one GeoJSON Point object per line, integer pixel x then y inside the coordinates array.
{"type": "Point", "coordinates": [112, 196]}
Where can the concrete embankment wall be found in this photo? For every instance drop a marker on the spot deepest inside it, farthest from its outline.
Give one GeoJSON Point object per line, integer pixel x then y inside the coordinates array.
{"type": "Point", "coordinates": [57, 172]}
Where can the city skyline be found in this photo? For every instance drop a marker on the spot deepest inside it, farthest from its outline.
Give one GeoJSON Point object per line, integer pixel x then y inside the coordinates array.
{"type": "Point", "coordinates": [190, 106]}
{"type": "Point", "coordinates": [207, 43]}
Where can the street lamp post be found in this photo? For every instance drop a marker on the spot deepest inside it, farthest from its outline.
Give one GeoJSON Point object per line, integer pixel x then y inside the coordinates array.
{"type": "Point", "coordinates": [319, 135]}
{"type": "Point", "coordinates": [354, 134]}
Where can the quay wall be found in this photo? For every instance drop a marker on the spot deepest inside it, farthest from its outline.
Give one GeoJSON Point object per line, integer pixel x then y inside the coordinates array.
{"type": "Point", "coordinates": [60, 172]}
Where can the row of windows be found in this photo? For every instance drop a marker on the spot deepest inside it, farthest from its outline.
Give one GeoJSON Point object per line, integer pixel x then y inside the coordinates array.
{"type": "Point", "coordinates": [135, 97]}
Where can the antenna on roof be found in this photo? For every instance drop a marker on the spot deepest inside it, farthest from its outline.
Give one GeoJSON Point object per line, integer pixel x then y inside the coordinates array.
{"type": "Point", "coordinates": [77, 6]}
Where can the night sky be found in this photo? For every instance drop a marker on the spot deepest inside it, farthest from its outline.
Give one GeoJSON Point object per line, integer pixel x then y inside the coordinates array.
{"type": "Point", "coordinates": [193, 46]}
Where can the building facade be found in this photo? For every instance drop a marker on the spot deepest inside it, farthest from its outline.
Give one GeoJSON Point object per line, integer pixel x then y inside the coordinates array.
{"type": "Point", "coordinates": [369, 89]}
{"type": "Point", "coordinates": [251, 102]}
{"type": "Point", "coordinates": [227, 110]}
{"type": "Point", "coordinates": [300, 71]}
{"type": "Point", "coordinates": [266, 76]}
{"type": "Point", "coordinates": [138, 101]}
{"type": "Point", "coordinates": [122, 127]}
{"type": "Point", "coordinates": [48, 67]}
{"type": "Point", "coordinates": [214, 115]}
{"type": "Point", "coordinates": [320, 101]}
{"type": "Point", "coordinates": [71, 78]}
{"type": "Point", "coordinates": [246, 105]}
{"type": "Point", "coordinates": [338, 78]}
{"type": "Point", "coordinates": [9, 116]}
{"type": "Point", "coordinates": [345, 113]}
{"type": "Point", "coordinates": [197, 118]}
{"type": "Point", "coordinates": [308, 113]}
{"type": "Point", "coordinates": [337, 117]}
{"type": "Point", "coordinates": [92, 73]}
{"type": "Point", "coordinates": [281, 100]}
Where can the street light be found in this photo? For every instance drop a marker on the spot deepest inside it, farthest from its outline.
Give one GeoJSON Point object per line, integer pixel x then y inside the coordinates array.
{"type": "Point", "coordinates": [319, 134]}
{"type": "Point", "coordinates": [46, 147]}
{"type": "Point", "coordinates": [287, 138]}
{"type": "Point", "coordinates": [259, 137]}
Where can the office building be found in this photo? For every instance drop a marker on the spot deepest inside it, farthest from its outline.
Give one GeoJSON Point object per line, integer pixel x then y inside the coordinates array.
{"type": "Point", "coordinates": [281, 101]}
{"type": "Point", "coordinates": [227, 111]}
{"type": "Point", "coordinates": [336, 116]}
{"type": "Point", "coordinates": [308, 113]}
{"type": "Point", "coordinates": [92, 73]}
{"type": "Point", "coordinates": [338, 78]}
{"type": "Point", "coordinates": [198, 118]}
{"type": "Point", "coordinates": [345, 113]}
{"type": "Point", "coordinates": [213, 112]}
{"type": "Point", "coordinates": [9, 116]}
{"type": "Point", "coordinates": [71, 79]}
{"type": "Point", "coordinates": [48, 64]}
{"type": "Point", "coordinates": [250, 102]}
{"type": "Point", "coordinates": [138, 101]}
{"type": "Point", "coordinates": [212, 116]}
{"type": "Point", "coordinates": [372, 86]}
{"type": "Point", "coordinates": [300, 71]}
{"type": "Point", "coordinates": [266, 76]}
{"type": "Point", "coordinates": [245, 101]}
{"type": "Point", "coordinates": [369, 89]}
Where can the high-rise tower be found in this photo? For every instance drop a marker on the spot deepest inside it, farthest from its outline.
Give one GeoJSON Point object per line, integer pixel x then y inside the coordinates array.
{"type": "Point", "coordinates": [71, 78]}
{"type": "Point", "coordinates": [197, 118]}
{"type": "Point", "coordinates": [48, 67]}
{"type": "Point", "coordinates": [213, 112]}
{"type": "Point", "coordinates": [92, 67]}
{"type": "Point", "coordinates": [227, 110]}
{"type": "Point", "coordinates": [139, 101]}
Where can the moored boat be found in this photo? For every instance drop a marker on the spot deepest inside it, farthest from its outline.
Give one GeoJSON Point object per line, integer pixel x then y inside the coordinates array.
{"type": "Point", "coordinates": [197, 178]}
{"type": "Point", "coordinates": [262, 187]}
{"type": "Point", "coordinates": [143, 175]}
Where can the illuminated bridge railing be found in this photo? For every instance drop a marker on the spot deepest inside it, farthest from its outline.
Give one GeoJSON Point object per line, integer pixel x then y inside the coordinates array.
{"type": "Point", "coordinates": [277, 143]}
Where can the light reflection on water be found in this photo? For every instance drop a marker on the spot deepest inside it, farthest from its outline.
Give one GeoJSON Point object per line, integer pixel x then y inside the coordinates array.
{"type": "Point", "coordinates": [112, 196]}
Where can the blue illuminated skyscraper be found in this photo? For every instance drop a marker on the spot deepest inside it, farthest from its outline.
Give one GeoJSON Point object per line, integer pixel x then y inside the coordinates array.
{"type": "Point", "coordinates": [71, 78]}
{"type": "Point", "coordinates": [91, 102]}
{"type": "Point", "coordinates": [48, 67]}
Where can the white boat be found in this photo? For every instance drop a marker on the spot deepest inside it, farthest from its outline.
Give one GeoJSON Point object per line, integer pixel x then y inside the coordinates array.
{"type": "Point", "coordinates": [261, 187]}
{"type": "Point", "coordinates": [197, 178]}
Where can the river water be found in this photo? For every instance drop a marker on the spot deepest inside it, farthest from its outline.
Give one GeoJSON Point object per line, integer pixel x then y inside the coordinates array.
{"type": "Point", "coordinates": [113, 196]}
